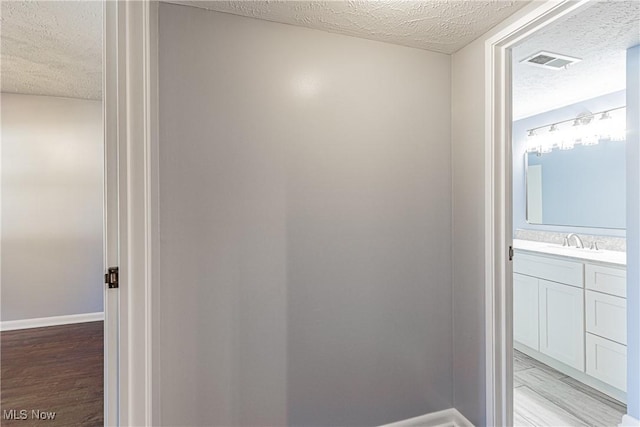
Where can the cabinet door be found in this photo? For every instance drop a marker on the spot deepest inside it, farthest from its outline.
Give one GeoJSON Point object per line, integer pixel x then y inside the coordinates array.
{"type": "Point", "coordinates": [525, 310]}
{"type": "Point", "coordinates": [607, 361]}
{"type": "Point", "coordinates": [562, 323]}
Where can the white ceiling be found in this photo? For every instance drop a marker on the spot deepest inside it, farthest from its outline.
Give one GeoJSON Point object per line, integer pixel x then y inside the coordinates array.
{"type": "Point", "coordinates": [52, 48]}
{"type": "Point", "coordinates": [436, 25]}
{"type": "Point", "coordinates": [55, 48]}
{"type": "Point", "coordinates": [599, 34]}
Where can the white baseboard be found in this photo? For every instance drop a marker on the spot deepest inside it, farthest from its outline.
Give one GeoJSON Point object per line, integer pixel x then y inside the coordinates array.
{"type": "Point", "coordinates": [629, 421]}
{"type": "Point", "coordinates": [447, 418]}
{"type": "Point", "coordinates": [10, 325]}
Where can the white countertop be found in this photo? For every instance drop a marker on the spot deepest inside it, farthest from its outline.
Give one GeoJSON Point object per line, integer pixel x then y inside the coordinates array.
{"type": "Point", "coordinates": [610, 257]}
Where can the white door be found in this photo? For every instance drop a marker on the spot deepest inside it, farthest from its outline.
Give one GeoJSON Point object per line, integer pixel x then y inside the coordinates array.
{"type": "Point", "coordinates": [525, 310]}
{"type": "Point", "coordinates": [111, 232]}
{"type": "Point", "coordinates": [562, 323]}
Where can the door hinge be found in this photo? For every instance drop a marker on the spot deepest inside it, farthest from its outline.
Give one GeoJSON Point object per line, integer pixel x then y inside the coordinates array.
{"type": "Point", "coordinates": [510, 253]}
{"type": "Point", "coordinates": [111, 277]}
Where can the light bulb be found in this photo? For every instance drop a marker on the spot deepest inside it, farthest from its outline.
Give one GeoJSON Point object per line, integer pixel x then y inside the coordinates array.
{"type": "Point", "coordinates": [567, 145]}
{"type": "Point", "coordinates": [546, 140]}
{"type": "Point", "coordinates": [618, 126]}
{"type": "Point", "coordinates": [589, 139]}
{"type": "Point", "coordinates": [588, 133]}
{"type": "Point", "coordinates": [604, 127]}
{"type": "Point", "coordinates": [566, 139]}
{"type": "Point", "coordinates": [532, 141]}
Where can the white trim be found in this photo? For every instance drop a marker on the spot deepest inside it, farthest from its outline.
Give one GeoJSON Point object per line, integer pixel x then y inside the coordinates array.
{"type": "Point", "coordinates": [447, 418]}
{"type": "Point", "coordinates": [152, 178]}
{"type": "Point", "coordinates": [111, 215]}
{"type": "Point", "coordinates": [498, 209]}
{"type": "Point", "coordinates": [629, 421]}
{"type": "Point", "coordinates": [41, 322]}
{"type": "Point", "coordinates": [135, 26]}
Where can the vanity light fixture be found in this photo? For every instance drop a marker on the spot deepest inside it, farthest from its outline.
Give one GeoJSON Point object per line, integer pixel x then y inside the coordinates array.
{"type": "Point", "coordinates": [586, 129]}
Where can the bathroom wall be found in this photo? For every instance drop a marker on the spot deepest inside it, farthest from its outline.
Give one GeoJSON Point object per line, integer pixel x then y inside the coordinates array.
{"type": "Point", "coordinates": [52, 189]}
{"type": "Point", "coordinates": [633, 230]}
{"type": "Point", "coordinates": [305, 210]}
{"type": "Point", "coordinates": [610, 155]}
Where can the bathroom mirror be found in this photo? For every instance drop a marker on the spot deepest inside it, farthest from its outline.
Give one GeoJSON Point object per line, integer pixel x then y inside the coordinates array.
{"type": "Point", "coordinates": [581, 187]}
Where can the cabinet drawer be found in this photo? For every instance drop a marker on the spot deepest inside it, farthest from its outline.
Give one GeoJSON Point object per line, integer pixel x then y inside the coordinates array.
{"type": "Point", "coordinates": [609, 280]}
{"type": "Point", "coordinates": [607, 361]}
{"type": "Point", "coordinates": [556, 270]}
{"type": "Point", "coordinates": [606, 316]}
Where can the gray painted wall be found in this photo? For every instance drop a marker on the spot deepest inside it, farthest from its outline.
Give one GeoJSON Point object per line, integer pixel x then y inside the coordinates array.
{"type": "Point", "coordinates": [468, 132]}
{"type": "Point", "coordinates": [467, 145]}
{"type": "Point", "coordinates": [305, 210]}
{"type": "Point", "coordinates": [52, 189]}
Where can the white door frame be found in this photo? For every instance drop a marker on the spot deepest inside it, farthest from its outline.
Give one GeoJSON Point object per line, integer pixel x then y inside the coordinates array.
{"type": "Point", "coordinates": [498, 205]}
{"type": "Point", "coordinates": [110, 127]}
{"type": "Point", "coordinates": [130, 119]}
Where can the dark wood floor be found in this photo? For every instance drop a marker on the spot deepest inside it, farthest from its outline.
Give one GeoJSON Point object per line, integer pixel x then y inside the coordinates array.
{"type": "Point", "coordinates": [55, 369]}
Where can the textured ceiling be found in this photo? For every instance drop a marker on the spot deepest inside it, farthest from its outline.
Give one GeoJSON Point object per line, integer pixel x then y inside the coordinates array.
{"type": "Point", "coordinates": [436, 25]}
{"type": "Point", "coordinates": [599, 34]}
{"type": "Point", "coordinates": [55, 48]}
{"type": "Point", "coordinates": [52, 48]}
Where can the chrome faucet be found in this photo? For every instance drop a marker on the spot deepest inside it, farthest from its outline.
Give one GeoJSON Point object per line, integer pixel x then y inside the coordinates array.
{"type": "Point", "coordinates": [579, 242]}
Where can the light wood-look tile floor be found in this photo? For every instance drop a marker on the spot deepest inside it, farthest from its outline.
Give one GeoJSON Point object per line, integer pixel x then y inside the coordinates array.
{"type": "Point", "coordinates": [544, 397]}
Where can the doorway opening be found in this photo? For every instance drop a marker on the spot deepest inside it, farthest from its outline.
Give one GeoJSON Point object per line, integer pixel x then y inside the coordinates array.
{"type": "Point", "coordinates": [525, 309]}
{"type": "Point", "coordinates": [569, 225]}
{"type": "Point", "coordinates": [52, 213]}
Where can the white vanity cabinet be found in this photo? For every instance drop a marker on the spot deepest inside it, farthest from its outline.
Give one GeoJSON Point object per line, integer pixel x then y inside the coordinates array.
{"type": "Point", "coordinates": [561, 314]}
{"type": "Point", "coordinates": [606, 316]}
{"type": "Point", "coordinates": [606, 324]}
{"type": "Point", "coordinates": [525, 310]}
{"type": "Point", "coordinates": [553, 299]}
{"type": "Point", "coordinates": [607, 361]}
{"type": "Point", "coordinates": [571, 314]}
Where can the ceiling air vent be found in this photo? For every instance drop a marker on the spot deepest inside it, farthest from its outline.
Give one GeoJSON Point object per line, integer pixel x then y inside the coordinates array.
{"type": "Point", "coordinates": [552, 61]}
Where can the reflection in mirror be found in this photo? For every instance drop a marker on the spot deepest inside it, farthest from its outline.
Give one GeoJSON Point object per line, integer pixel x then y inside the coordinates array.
{"type": "Point", "coordinates": [583, 187]}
